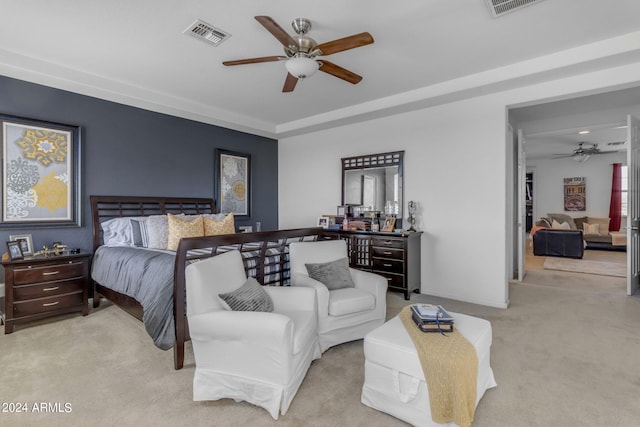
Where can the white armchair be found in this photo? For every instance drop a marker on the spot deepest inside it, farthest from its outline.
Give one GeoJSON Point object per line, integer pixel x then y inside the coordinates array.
{"type": "Point", "coordinates": [258, 357]}
{"type": "Point", "coordinates": [345, 314]}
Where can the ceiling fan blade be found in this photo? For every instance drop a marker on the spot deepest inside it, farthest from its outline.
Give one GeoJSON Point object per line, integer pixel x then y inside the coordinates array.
{"type": "Point", "coordinates": [254, 60]}
{"type": "Point", "coordinates": [604, 152]}
{"type": "Point", "coordinates": [277, 31]}
{"type": "Point", "coordinates": [351, 42]}
{"type": "Point", "coordinates": [290, 83]}
{"type": "Point", "coordinates": [339, 72]}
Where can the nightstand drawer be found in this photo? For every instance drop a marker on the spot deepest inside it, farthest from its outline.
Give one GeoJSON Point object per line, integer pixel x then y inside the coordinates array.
{"type": "Point", "coordinates": [47, 289]}
{"type": "Point", "coordinates": [387, 253]}
{"type": "Point", "coordinates": [388, 265]}
{"type": "Point", "coordinates": [43, 305]}
{"type": "Point", "coordinates": [387, 243]}
{"type": "Point", "coordinates": [48, 273]}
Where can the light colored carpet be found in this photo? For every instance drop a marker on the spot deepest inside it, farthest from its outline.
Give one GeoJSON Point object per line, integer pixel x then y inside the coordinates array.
{"type": "Point", "coordinates": [604, 268]}
{"type": "Point", "coordinates": [555, 365]}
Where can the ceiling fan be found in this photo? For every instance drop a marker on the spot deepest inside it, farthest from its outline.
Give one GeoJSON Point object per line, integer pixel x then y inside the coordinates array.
{"type": "Point", "coordinates": [582, 153]}
{"type": "Point", "coordinates": [302, 52]}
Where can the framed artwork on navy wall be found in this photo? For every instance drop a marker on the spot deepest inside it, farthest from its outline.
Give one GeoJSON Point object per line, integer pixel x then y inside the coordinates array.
{"type": "Point", "coordinates": [233, 182]}
{"type": "Point", "coordinates": [40, 173]}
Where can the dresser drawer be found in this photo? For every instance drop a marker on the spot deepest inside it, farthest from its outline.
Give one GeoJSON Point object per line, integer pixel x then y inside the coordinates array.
{"type": "Point", "coordinates": [43, 305]}
{"type": "Point", "coordinates": [48, 273]}
{"type": "Point", "coordinates": [387, 253]}
{"type": "Point", "coordinates": [388, 265]}
{"type": "Point", "coordinates": [393, 280]}
{"type": "Point", "coordinates": [387, 243]}
{"type": "Point", "coordinates": [47, 289]}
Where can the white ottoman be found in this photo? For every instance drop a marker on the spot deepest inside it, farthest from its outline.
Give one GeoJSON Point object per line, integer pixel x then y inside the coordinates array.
{"type": "Point", "coordinates": [393, 378]}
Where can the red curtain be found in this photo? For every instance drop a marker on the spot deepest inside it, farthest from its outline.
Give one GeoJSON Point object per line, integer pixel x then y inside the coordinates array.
{"type": "Point", "coordinates": [615, 207]}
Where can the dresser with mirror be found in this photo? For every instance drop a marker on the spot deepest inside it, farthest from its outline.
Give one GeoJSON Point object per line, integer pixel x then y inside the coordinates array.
{"type": "Point", "coordinates": [372, 192]}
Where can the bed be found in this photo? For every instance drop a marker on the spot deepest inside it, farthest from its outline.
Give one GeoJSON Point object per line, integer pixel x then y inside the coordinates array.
{"type": "Point", "coordinates": [156, 295]}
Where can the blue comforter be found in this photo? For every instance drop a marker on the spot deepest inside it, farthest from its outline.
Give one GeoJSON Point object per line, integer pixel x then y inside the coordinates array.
{"type": "Point", "coordinates": [146, 276]}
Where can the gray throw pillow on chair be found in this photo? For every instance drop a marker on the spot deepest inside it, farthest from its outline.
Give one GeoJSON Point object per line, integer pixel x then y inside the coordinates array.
{"type": "Point", "coordinates": [334, 274]}
{"type": "Point", "coordinates": [248, 297]}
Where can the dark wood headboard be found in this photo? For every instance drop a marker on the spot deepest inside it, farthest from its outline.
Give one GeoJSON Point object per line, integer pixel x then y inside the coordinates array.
{"type": "Point", "coordinates": [104, 208]}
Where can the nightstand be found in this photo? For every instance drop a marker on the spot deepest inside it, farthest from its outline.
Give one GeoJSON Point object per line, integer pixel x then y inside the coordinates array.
{"type": "Point", "coordinates": [44, 286]}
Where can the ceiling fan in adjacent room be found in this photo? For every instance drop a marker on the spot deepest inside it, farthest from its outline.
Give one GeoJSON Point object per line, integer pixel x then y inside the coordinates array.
{"type": "Point", "coordinates": [302, 52]}
{"type": "Point", "coordinates": [582, 153]}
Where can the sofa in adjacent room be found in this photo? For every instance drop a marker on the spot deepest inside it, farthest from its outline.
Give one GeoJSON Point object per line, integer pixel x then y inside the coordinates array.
{"type": "Point", "coordinates": [595, 230]}
{"type": "Point", "coordinates": [559, 243]}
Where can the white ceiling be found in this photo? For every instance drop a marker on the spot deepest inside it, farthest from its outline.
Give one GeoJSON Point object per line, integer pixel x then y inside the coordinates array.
{"type": "Point", "coordinates": [135, 52]}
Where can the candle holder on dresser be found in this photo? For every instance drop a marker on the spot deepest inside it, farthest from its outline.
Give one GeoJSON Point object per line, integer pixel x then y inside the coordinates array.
{"type": "Point", "coordinates": [412, 215]}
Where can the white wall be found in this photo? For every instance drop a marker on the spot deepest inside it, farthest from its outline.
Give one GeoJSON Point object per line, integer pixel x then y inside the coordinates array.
{"type": "Point", "coordinates": [548, 176]}
{"type": "Point", "coordinates": [455, 168]}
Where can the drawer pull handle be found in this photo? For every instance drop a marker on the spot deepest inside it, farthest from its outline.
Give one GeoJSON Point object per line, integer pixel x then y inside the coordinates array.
{"type": "Point", "coordinates": [388, 242]}
{"type": "Point", "coordinates": [388, 279]}
{"type": "Point", "coordinates": [387, 253]}
{"type": "Point", "coordinates": [387, 265]}
{"type": "Point", "coordinates": [51, 289]}
{"type": "Point", "coordinates": [49, 304]}
{"type": "Point", "coordinates": [50, 273]}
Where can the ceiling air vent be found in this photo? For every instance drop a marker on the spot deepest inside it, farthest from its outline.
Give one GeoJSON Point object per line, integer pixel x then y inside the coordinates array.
{"type": "Point", "coordinates": [500, 7]}
{"type": "Point", "coordinates": [207, 33]}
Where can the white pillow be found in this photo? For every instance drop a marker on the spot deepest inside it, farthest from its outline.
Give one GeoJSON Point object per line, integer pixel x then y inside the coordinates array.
{"type": "Point", "coordinates": [561, 226]}
{"type": "Point", "coordinates": [591, 228]}
{"type": "Point", "coordinates": [118, 231]}
{"type": "Point", "coordinates": [158, 231]}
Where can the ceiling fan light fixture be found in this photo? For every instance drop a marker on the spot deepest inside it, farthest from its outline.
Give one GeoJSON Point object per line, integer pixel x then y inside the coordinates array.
{"type": "Point", "coordinates": [301, 67]}
{"type": "Point", "coordinates": [581, 157]}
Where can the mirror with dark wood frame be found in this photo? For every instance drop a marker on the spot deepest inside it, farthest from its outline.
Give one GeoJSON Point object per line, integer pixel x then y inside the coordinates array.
{"type": "Point", "coordinates": [373, 184]}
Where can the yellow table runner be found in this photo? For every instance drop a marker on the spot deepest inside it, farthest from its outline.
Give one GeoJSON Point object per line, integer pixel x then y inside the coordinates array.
{"type": "Point", "coordinates": [450, 367]}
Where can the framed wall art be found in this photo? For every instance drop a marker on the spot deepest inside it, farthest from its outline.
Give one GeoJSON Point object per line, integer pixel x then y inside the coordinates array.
{"type": "Point", "coordinates": [40, 173]}
{"type": "Point", "coordinates": [575, 195]}
{"type": "Point", "coordinates": [233, 181]}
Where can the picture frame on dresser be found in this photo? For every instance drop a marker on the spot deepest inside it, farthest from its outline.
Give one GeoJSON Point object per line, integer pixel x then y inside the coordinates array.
{"type": "Point", "coordinates": [26, 243]}
{"type": "Point", "coordinates": [389, 223]}
{"type": "Point", "coordinates": [233, 182]}
{"type": "Point", "coordinates": [41, 176]}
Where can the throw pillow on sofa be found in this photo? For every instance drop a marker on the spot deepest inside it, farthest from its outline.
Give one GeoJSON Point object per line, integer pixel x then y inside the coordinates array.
{"type": "Point", "coordinates": [560, 225]}
{"type": "Point", "coordinates": [591, 228]}
{"type": "Point", "coordinates": [562, 218]}
{"type": "Point", "coordinates": [603, 222]}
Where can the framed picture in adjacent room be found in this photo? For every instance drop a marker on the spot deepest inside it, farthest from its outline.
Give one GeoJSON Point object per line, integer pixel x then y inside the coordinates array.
{"type": "Point", "coordinates": [233, 182]}
{"type": "Point", "coordinates": [40, 173]}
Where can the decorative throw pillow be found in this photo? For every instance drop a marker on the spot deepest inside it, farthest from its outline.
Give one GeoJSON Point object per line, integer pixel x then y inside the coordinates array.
{"type": "Point", "coordinates": [248, 297]}
{"type": "Point", "coordinates": [604, 224]}
{"type": "Point", "coordinates": [591, 228]}
{"type": "Point", "coordinates": [214, 227]}
{"type": "Point", "coordinates": [563, 218]}
{"type": "Point", "coordinates": [180, 227]}
{"type": "Point", "coordinates": [579, 221]}
{"type": "Point", "coordinates": [334, 274]}
{"type": "Point", "coordinates": [158, 230]}
{"type": "Point", "coordinates": [560, 226]}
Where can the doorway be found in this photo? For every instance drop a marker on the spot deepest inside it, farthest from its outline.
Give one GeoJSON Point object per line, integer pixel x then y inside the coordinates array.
{"type": "Point", "coordinates": [548, 121]}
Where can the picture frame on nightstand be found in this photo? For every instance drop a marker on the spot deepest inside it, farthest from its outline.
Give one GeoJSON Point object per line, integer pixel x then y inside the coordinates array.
{"type": "Point", "coordinates": [26, 243]}
{"type": "Point", "coordinates": [14, 250]}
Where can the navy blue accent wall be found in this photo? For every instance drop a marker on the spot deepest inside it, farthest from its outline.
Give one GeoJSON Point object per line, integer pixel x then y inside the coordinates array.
{"type": "Point", "coordinates": [129, 151]}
